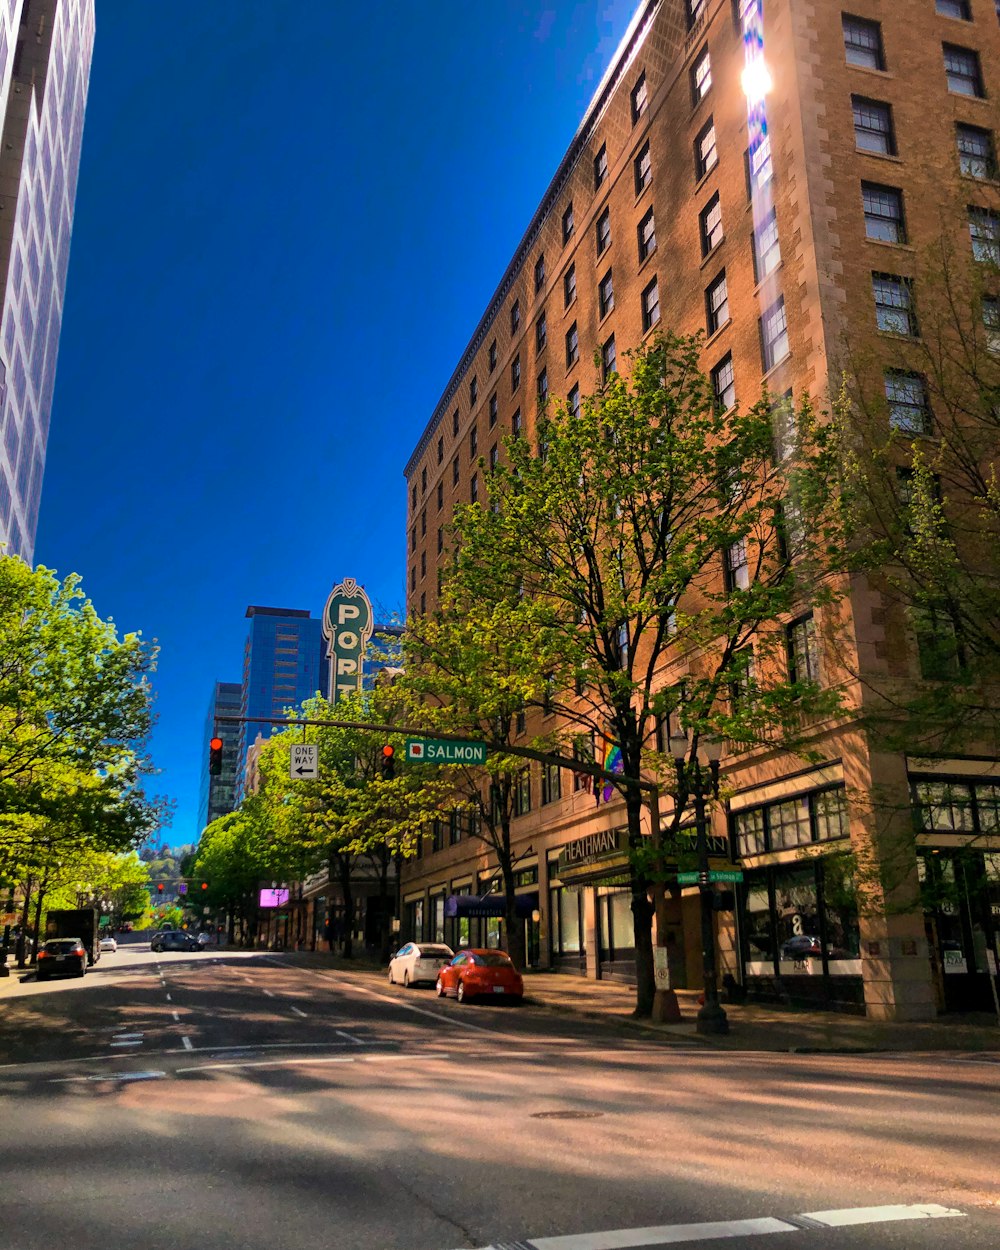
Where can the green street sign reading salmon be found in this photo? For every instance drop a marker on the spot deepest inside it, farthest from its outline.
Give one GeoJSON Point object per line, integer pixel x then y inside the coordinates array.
{"type": "Point", "coordinates": [439, 751]}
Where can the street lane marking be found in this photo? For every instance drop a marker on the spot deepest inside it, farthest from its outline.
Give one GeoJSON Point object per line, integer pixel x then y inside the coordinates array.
{"type": "Point", "coordinates": [283, 1063]}
{"type": "Point", "coordinates": [125, 1044]}
{"type": "Point", "coordinates": [169, 999]}
{"type": "Point", "coordinates": [126, 1037]}
{"type": "Point", "coordinates": [678, 1234]}
{"type": "Point", "coordinates": [356, 1040]}
{"type": "Point", "coordinates": [299, 1013]}
{"type": "Point", "coordinates": [188, 1045]}
{"type": "Point", "coordinates": [176, 1016]}
{"type": "Point", "coordinates": [268, 994]}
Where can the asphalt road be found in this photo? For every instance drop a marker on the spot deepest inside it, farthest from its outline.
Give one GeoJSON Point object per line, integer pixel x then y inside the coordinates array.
{"type": "Point", "coordinates": [225, 1100]}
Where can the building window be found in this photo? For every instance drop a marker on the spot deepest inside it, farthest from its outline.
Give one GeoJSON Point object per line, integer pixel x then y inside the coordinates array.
{"type": "Point", "coordinates": [539, 273]}
{"type": "Point", "coordinates": [737, 566]}
{"type": "Point", "coordinates": [423, 523]}
{"type": "Point", "coordinates": [494, 408]}
{"type": "Point", "coordinates": [710, 222]}
{"type": "Point", "coordinates": [717, 303]}
{"type": "Point", "coordinates": [440, 540]}
{"type": "Point", "coordinates": [601, 166]}
{"type": "Point", "coordinates": [803, 650]}
{"type": "Point", "coordinates": [650, 306]}
{"type": "Point", "coordinates": [515, 317]}
{"type": "Point", "coordinates": [423, 480]}
{"type": "Point", "coordinates": [522, 793]}
{"type": "Point", "coordinates": [883, 213]}
{"type": "Point", "coordinates": [573, 401]}
{"type": "Point", "coordinates": [515, 423]}
{"type": "Point", "coordinates": [701, 77]}
{"type": "Point", "coordinates": [473, 443]}
{"type": "Point", "coordinates": [551, 783]}
{"type": "Point", "coordinates": [863, 42]}
{"type": "Point", "coordinates": [567, 223]}
{"type": "Point", "coordinates": [572, 346]}
{"type": "Point", "coordinates": [474, 488]}
{"type": "Point", "coordinates": [766, 249]}
{"type": "Point", "coordinates": [873, 130]}
{"type": "Point", "coordinates": [606, 294]}
{"type": "Point", "coordinates": [494, 458]}
{"type": "Point", "coordinates": [440, 496]}
{"type": "Point", "coordinates": [706, 156]}
{"type": "Point", "coordinates": [976, 153]}
{"type": "Point", "coordinates": [413, 498]}
{"type": "Point", "coordinates": [413, 578]}
{"type": "Point", "coordinates": [984, 228]}
{"type": "Point", "coordinates": [541, 333]}
{"type": "Point", "coordinates": [440, 450]}
{"type": "Point", "coordinates": [603, 230]}
{"type": "Point", "coordinates": [954, 8]}
{"type": "Point", "coordinates": [647, 236]}
{"type": "Point", "coordinates": [455, 472]}
{"type": "Point", "coordinates": [608, 361]}
{"type": "Point", "coordinates": [961, 67]}
{"type": "Point", "coordinates": [643, 168]}
{"type": "Point", "coordinates": [543, 388]}
{"type": "Point", "coordinates": [454, 827]}
{"type": "Point", "coordinates": [991, 323]}
{"type": "Point", "coordinates": [423, 564]}
{"type": "Point", "coordinates": [774, 334]}
{"type": "Point", "coordinates": [473, 390]}
{"type": "Point", "coordinates": [413, 538]}
{"type": "Point", "coordinates": [515, 373]}
{"type": "Point", "coordinates": [724, 383]}
{"type": "Point", "coordinates": [938, 650]}
{"type": "Point", "coordinates": [639, 98]}
{"type": "Point", "coordinates": [894, 304]}
{"type": "Point", "coordinates": [695, 12]}
{"type": "Point", "coordinates": [493, 355]}
{"type": "Point", "coordinates": [454, 423]}
{"type": "Point", "coordinates": [569, 285]}
{"type": "Point", "coordinates": [906, 396]}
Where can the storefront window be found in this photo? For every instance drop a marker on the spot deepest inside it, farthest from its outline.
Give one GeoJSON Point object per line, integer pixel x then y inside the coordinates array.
{"type": "Point", "coordinates": [789, 824]}
{"type": "Point", "coordinates": [759, 930]}
{"type": "Point", "coordinates": [566, 911]}
{"type": "Point", "coordinates": [463, 931]}
{"type": "Point", "coordinates": [493, 924]}
{"type": "Point", "coordinates": [840, 903]}
{"type": "Point", "coordinates": [750, 832]}
{"type": "Point", "coordinates": [797, 918]}
{"type": "Point", "coordinates": [438, 905]}
{"type": "Point", "coordinates": [830, 809]}
{"type": "Point", "coordinates": [988, 803]}
{"type": "Point", "coordinates": [945, 805]}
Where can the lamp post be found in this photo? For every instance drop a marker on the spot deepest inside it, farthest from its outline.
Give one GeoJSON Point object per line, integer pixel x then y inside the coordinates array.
{"type": "Point", "coordinates": [699, 781]}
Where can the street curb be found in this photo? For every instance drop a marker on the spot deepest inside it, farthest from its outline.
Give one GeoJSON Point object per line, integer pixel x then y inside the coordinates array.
{"type": "Point", "coordinates": [650, 1029]}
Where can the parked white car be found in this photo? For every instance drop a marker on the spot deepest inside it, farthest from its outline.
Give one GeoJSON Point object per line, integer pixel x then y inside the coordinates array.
{"type": "Point", "coordinates": [419, 961]}
{"type": "Point", "coordinates": [108, 944]}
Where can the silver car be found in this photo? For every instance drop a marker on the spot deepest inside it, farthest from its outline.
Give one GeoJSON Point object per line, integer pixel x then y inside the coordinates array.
{"type": "Point", "coordinates": [419, 961]}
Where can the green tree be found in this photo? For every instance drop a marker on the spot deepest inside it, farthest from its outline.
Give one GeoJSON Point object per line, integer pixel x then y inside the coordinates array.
{"type": "Point", "coordinates": [660, 545]}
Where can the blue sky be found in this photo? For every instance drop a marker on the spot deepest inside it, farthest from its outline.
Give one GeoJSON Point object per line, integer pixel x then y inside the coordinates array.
{"type": "Point", "coordinates": [289, 220]}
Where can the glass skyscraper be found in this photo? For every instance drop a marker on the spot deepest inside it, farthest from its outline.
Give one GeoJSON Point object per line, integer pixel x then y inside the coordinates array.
{"type": "Point", "coordinates": [283, 664]}
{"type": "Point", "coordinates": [217, 795]}
{"type": "Point", "coordinates": [45, 53]}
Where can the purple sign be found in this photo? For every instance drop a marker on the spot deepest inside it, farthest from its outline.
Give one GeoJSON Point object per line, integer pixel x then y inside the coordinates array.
{"type": "Point", "coordinates": [273, 898]}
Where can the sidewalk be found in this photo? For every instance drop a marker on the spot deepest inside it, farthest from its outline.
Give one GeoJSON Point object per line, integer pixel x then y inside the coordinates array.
{"type": "Point", "coordinates": [756, 1026]}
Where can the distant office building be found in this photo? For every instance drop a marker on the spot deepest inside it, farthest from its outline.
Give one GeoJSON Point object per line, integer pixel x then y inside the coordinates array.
{"type": "Point", "coordinates": [384, 654]}
{"type": "Point", "coordinates": [283, 664]}
{"type": "Point", "coordinates": [45, 52]}
{"type": "Point", "coordinates": [218, 794]}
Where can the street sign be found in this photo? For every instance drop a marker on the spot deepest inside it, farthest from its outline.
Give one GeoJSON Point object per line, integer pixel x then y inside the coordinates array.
{"type": "Point", "coordinates": [439, 751]}
{"type": "Point", "coordinates": [696, 878]}
{"type": "Point", "coordinates": [304, 761]}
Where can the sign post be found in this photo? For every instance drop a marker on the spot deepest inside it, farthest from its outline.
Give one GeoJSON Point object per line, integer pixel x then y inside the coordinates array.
{"type": "Point", "coordinates": [304, 761]}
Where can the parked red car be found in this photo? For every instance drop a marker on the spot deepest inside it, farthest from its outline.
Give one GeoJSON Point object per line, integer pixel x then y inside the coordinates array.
{"type": "Point", "coordinates": [472, 973]}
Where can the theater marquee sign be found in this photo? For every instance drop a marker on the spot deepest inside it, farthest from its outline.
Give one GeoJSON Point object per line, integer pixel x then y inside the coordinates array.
{"type": "Point", "coordinates": [347, 626]}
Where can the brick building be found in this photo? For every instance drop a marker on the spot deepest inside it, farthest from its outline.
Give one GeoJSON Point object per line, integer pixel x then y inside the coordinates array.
{"type": "Point", "coordinates": [785, 224]}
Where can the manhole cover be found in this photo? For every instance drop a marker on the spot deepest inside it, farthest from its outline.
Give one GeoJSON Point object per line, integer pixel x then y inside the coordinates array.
{"type": "Point", "coordinates": [566, 1115]}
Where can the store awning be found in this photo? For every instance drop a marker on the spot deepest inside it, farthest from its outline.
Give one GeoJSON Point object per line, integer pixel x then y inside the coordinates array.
{"type": "Point", "coordinates": [488, 905]}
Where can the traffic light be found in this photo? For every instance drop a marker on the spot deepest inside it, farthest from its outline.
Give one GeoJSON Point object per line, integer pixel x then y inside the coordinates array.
{"type": "Point", "coordinates": [159, 888]}
{"type": "Point", "coordinates": [204, 885]}
{"type": "Point", "coordinates": [215, 757]}
{"type": "Point", "coordinates": [388, 762]}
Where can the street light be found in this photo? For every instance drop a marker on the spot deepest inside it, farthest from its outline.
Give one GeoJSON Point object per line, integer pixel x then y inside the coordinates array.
{"type": "Point", "coordinates": [699, 782]}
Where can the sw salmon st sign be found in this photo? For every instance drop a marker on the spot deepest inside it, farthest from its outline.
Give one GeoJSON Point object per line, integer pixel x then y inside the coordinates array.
{"type": "Point", "coordinates": [440, 751]}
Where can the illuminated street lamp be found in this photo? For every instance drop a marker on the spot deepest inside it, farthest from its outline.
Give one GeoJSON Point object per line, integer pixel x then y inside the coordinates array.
{"type": "Point", "coordinates": [699, 781]}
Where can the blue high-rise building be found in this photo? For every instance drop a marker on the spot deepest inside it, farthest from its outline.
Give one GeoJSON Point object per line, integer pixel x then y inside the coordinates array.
{"type": "Point", "coordinates": [217, 795]}
{"type": "Point", "coordinates": [283, 664]}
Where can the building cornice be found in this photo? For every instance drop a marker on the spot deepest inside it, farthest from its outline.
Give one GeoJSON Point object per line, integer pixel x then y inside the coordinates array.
{"type": "Point", "coordinates": [628, 48]}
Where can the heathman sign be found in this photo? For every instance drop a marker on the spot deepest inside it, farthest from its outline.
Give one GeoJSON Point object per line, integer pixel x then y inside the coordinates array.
{"type": "Point", "coordinates": [347, 626]}
{"type": "Point", "coordinates": [608, 844]}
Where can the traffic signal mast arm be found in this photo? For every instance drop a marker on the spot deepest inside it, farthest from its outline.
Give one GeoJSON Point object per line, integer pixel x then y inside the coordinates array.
{"type": "Point", "coordinates": [528, 753]}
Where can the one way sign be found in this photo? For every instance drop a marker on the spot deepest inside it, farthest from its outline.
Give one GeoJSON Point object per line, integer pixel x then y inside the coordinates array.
{"type": "Point", "coordinates": [304, 761]}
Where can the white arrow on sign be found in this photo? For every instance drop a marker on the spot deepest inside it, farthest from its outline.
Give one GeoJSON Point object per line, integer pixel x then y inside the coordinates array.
{"type": "Point", "coordinates": [304, 761]}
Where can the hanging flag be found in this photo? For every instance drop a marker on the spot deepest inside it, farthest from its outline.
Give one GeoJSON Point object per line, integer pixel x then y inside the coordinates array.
{"type": "Point", "coordinates": [613, 763]}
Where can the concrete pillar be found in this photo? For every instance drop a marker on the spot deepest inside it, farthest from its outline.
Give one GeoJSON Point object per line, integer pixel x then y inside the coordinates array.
{"type": "Point", "coordinates": [545, 924]}
{"type": "Point", "coordinates": [590, 935]}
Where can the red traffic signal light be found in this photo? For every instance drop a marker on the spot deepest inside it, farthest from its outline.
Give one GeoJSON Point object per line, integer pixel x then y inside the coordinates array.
{"type": "Point", "coordinates": [204, 885]}
{"type": "Point", "coordinates": [159, 888]}
{"type": "Point", "coordinates": [388, 762]}
{"type": "Point", "coordinates": [215, 757]}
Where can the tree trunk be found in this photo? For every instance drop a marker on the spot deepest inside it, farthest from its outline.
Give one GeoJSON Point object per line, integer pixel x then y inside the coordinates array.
{"type": "Point", "coordinates": [33, 957]}
{"type": "Point", "coordinates": [515, 927]}
{"type": "Point", "coordinates": [385, 927]}
{"type": "Point", "coordinates": [642, 913]}
{"type": "Point", "coordinates": [22, 942]}
{"type": "Point", "coordinates": [344, 869]}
